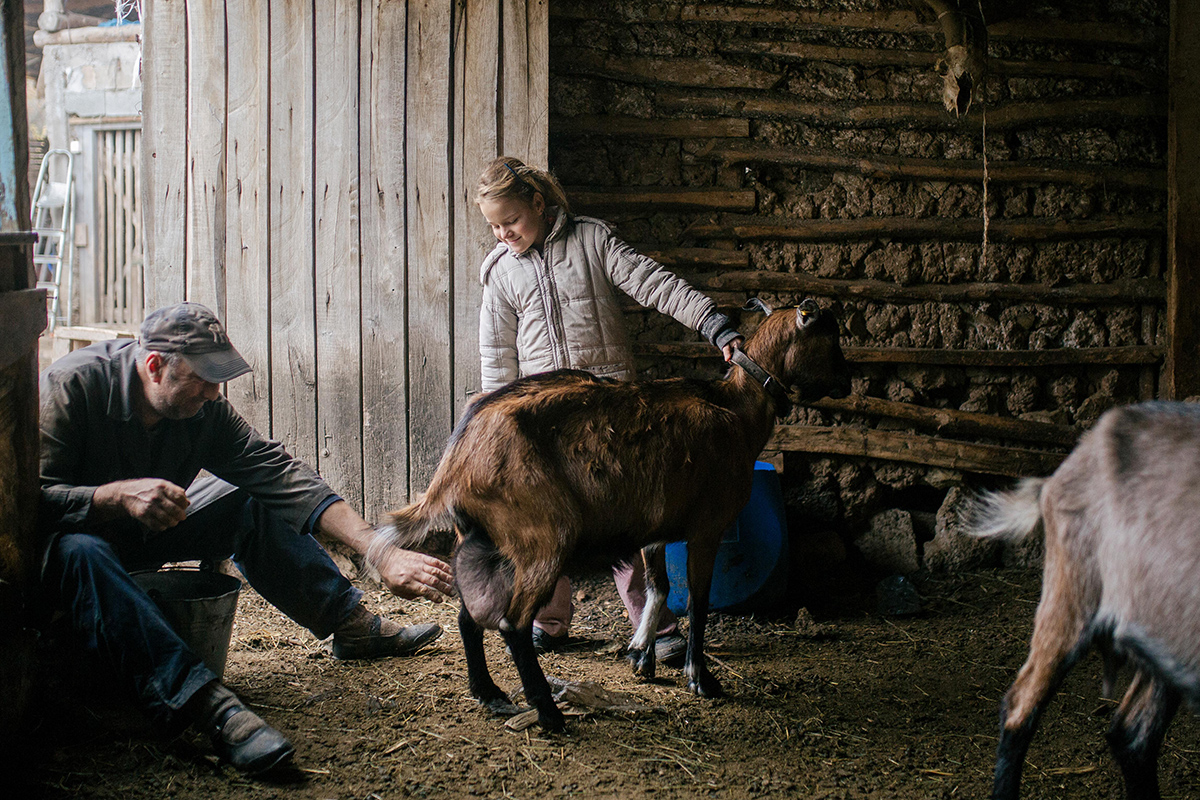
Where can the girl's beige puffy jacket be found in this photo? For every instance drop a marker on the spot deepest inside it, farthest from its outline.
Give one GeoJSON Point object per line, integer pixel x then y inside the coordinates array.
{"type": "Point", "coordinates": [559, 308]}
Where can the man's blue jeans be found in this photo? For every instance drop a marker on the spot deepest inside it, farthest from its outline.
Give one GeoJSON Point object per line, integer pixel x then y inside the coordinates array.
{"type": "Point", "coordinates": [88, 578]}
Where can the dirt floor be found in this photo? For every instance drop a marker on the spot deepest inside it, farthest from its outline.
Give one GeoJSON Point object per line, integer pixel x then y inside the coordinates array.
{"type": "Point", "coordinates": [847, 703]}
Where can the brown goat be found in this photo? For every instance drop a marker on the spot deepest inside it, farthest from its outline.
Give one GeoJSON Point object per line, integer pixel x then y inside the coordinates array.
{"type": "Point", "coordinates": [1122, 558]}
{"type": "Point", "coordinates": [565, 468]}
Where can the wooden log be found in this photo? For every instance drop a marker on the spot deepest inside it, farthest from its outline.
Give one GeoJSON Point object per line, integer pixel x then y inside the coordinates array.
{"type": "Point", "coordinates": [1132, 290]}
{"type": "Point", "coordinates": [1021, 359]}
{"type": "Point", "coordinates": [943, 357]}
{"type": "Point", "coordinates": [926, 59]}
{"type": "Point", "coordinates": [892, 21]}
{"type": "Point", "coordinates": [382, 29]}
{"type": "Point", "coordinates": [164, 151]}
{"type": "Point", "coordinates": [904, 22]}
{"type": "Point", "coordinates": [587, 125]}
{"type": "Point", "coordinates": [696, 72]}
{"type": "Point", "coordinates": [661, 198]}
{"type": "Point", "coordinates": [1101, 33]}
{"type": "Point", "coordinates": [336, 247]}
{"type": "Point", "coordinates": [697, 257]}
{"type": "Point", "coordinates": [952, 422]}
{"type": "Point", "coordinates": [246, 193]}
{"type": "Point", "coordinates": [92, 35]}
{"type": "Point", "coordinates": [929, 228]}
{"type": "Point", "coordinates": [1013, 115]}
{"type": "Point", "coordinates": [937, 169]}
{"type": "Point", "coordinates": [911, 448]}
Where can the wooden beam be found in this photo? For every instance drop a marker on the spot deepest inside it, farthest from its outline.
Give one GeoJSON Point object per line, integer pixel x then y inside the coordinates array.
{"type": "Point", "coordinates": [697, 257]}
{"type": "Point", "coordinates": [695, 72]}
{"type": "Point", "coordinates": [927, 59]}
{"type": "Point", "coordinates": [589, 125]}
{"type": "Point", "coordinates": [1181, 378]}
{"type": "Point", "coordinates": [952, 422]}
{"type": "Point", "coordinates": [912, 448]}
{"type": "Point", "coordinates": [944, 357]}
{"type": "Point", "coordinates": [662, 198]}
{"type": "Point", "coordinates": [939, 169]}
{"type": "Point", "coordinates": [904, 22]}
{"type": "Point", "coordinates": [1133, 290]}
{"type": "Point", "coordinates": [1013, 115]}
{"type": "Point", "coordinates": [935, 229]}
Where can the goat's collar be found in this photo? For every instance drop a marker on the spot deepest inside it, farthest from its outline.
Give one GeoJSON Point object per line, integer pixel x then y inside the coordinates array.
{"type": "Point", "coordinates": [783, 403]}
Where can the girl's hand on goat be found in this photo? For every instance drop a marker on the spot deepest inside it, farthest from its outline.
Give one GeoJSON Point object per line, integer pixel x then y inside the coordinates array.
{"type": "Point", "coordinates": [411, 575]}
{"type": "Point", "coordinates": [728, 349]}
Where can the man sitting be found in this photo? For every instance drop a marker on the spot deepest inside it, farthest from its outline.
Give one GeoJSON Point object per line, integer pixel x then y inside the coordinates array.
{"type": "Point", "coordinates": [125, 426]}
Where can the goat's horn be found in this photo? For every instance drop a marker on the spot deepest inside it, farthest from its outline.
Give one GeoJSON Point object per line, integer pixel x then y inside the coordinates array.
{"type": "Point", "coordinates": [754, 304]}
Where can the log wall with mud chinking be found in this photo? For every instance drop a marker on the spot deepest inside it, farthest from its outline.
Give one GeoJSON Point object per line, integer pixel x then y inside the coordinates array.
{"type": "Point", "coordinates": [1001, 277]}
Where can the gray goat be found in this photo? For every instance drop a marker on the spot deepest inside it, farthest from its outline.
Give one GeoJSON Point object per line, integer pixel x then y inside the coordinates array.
{"type": "Point", "coordinates": [1122, 573]}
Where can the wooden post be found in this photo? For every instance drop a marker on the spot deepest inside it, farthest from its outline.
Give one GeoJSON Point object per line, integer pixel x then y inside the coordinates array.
{"type": "Point", "coordinates": [1182, 372]}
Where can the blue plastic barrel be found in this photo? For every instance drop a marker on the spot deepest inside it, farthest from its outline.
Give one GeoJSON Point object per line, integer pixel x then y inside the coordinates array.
{"type": "Point", "coordinates": [751, 569]}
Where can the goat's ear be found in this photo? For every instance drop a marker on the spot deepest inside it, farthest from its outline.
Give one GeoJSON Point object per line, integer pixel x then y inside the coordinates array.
{"type": "Point", "coordinates": [807, 312]}
{"type": "Point", "coordinates": [754, 304]}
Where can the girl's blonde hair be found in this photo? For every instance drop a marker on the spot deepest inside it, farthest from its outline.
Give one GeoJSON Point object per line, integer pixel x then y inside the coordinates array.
{"type": "Point", "coordinates": [510, 177]}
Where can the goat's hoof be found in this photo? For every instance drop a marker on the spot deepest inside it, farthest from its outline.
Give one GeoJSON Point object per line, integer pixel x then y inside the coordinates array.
{"type": "Point", "coordinates": [643, 663]}
{"type": "Point", "coordinates": [501, 707]}
{"type": "Point", "coordinates": [552, 720]}
{"type": "Point", "coordinates": [706, 686]}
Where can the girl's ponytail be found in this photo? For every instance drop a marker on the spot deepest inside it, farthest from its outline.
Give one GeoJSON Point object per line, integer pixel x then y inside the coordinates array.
{"type": "Point", "coordinates": [510, 177]}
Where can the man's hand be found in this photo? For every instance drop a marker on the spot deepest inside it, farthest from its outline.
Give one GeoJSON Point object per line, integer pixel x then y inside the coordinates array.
{"type": "Point", "coordinates": [403, 572]}
{"type": "Point", "coordinates": [411, 575]}
{"type": "Point", "coordinates": [155, 503]}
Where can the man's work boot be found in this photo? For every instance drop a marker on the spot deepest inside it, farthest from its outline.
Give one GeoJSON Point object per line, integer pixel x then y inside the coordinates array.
{"type": "Point", "coordinates": [367, 635]}
{"type": "Point", "coordinates": [239, 736]}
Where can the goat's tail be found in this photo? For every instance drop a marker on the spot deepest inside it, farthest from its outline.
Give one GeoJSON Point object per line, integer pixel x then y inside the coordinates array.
{"type": "Point", "coordinates": [421, 525]}
{"type": "Point", "coordinates": [1010, 515]}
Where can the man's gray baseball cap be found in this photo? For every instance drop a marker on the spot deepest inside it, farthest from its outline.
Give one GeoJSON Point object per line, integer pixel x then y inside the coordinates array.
{"type": "Point", "coordinates": [194, 332]}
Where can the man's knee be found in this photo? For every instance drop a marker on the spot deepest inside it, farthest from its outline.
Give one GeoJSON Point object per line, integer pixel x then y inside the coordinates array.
{"type": "Point", "coordinates": [76, 550]}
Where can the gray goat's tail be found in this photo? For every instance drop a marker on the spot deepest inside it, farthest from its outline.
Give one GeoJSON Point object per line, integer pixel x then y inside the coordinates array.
{"type": "Point", "coordinates": [1009, 515]}
{"type": "Point", "coordinates": [417, 526]}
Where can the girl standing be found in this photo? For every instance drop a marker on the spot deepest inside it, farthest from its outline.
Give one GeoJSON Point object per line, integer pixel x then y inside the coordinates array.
{"type": "Point", "coordinates": [550, 302]}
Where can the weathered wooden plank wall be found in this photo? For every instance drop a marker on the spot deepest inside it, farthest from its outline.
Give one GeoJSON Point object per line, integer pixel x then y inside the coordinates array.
{"type": "Point", "coordinates": [310, 170]}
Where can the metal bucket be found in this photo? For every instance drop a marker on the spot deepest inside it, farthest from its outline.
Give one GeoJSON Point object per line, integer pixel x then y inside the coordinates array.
{"type": "Point", "coordinates": [200, 607]}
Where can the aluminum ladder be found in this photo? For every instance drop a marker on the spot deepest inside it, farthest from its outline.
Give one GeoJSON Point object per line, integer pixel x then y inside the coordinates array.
{"type": "Point", "coordinates": [54, 223]}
